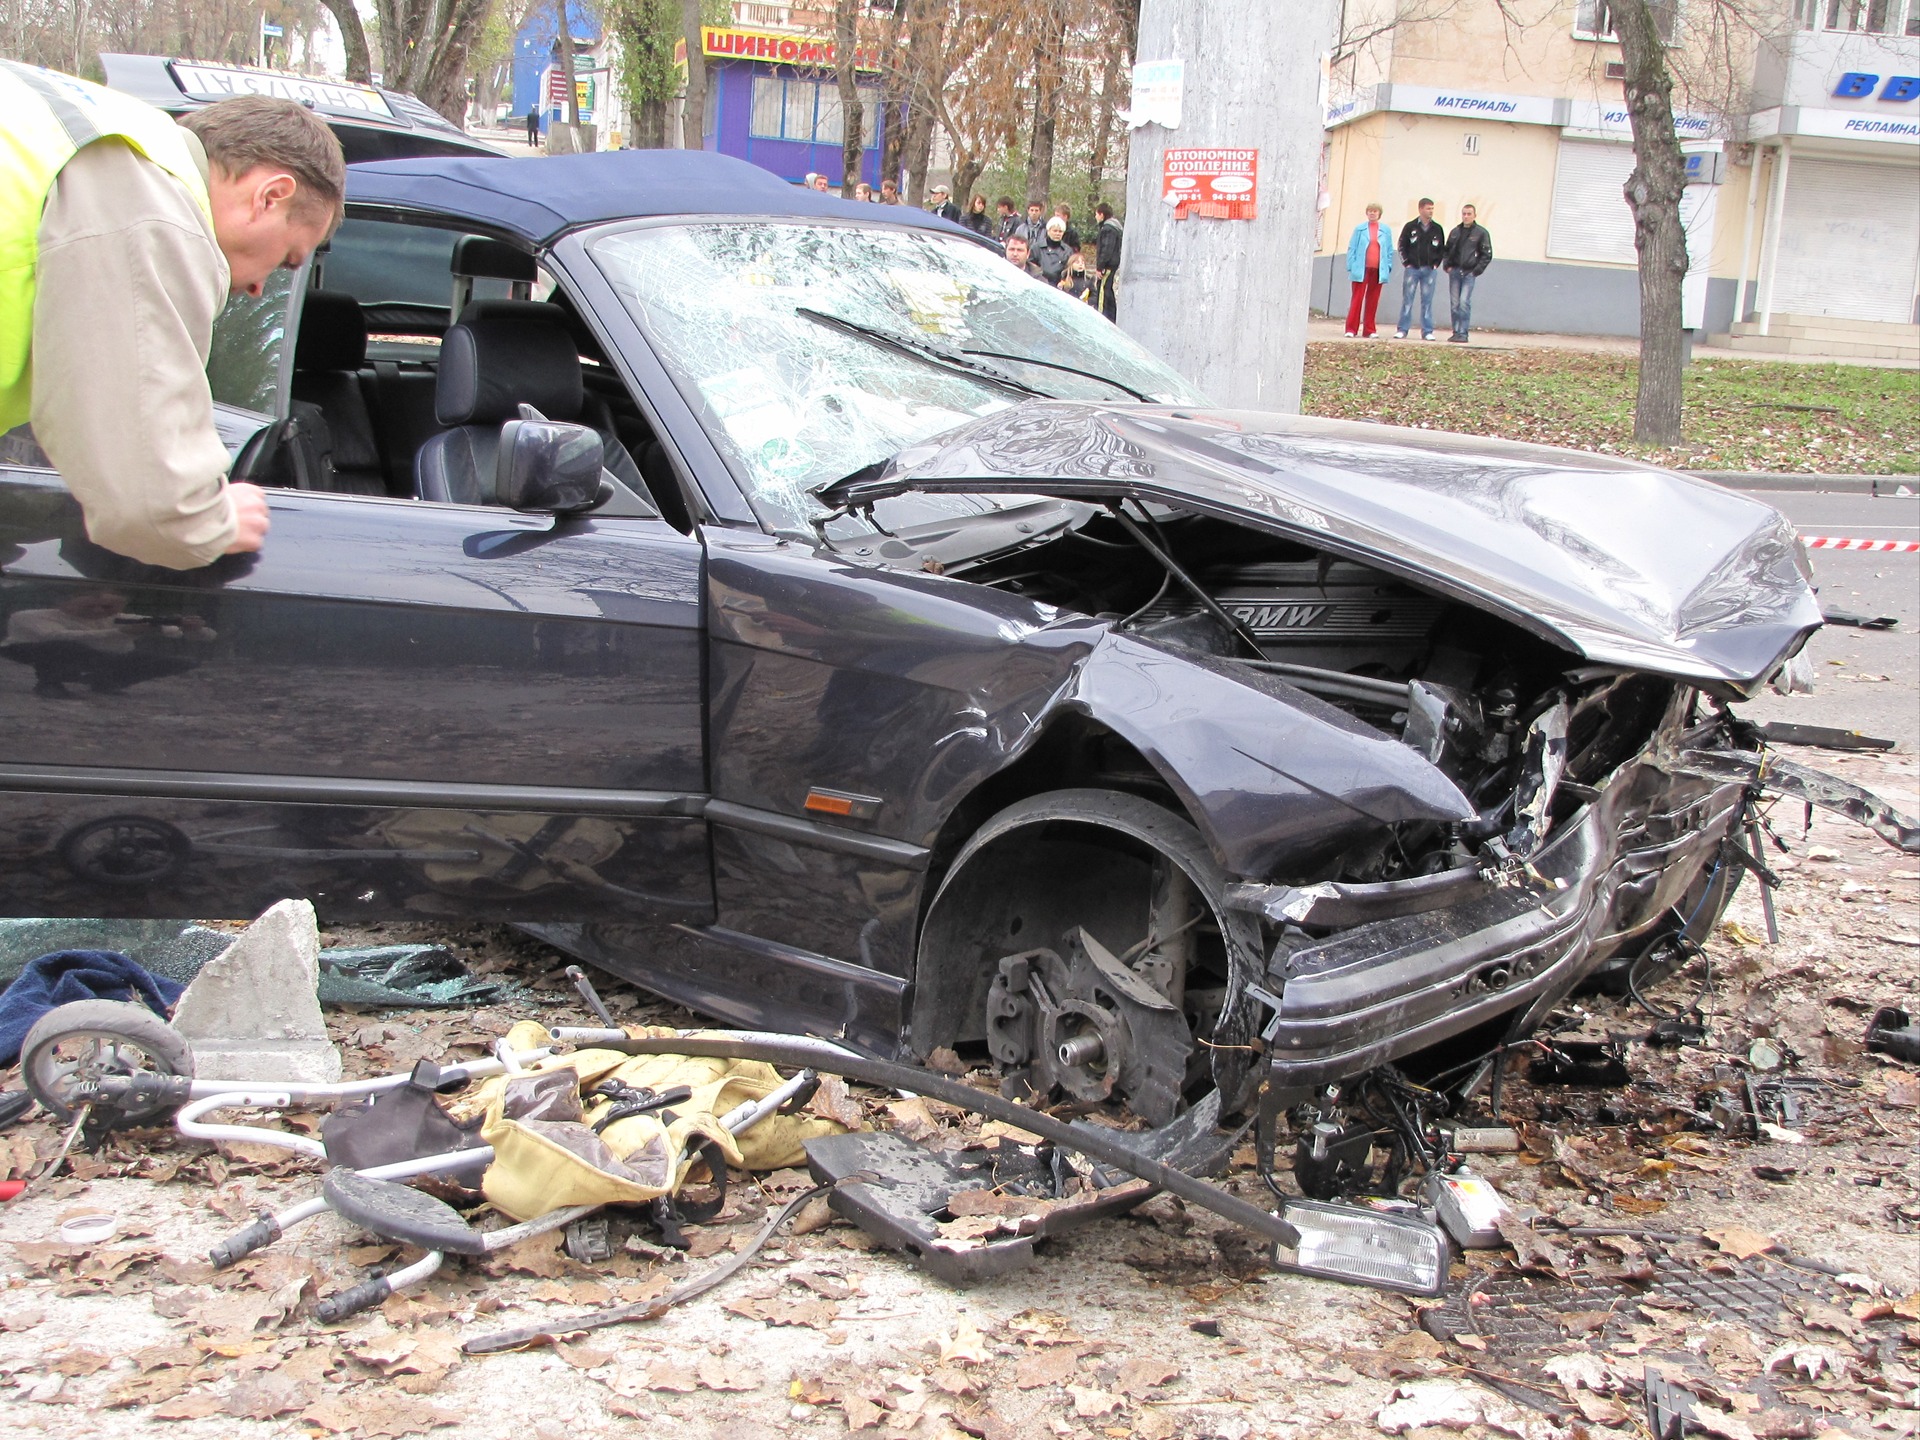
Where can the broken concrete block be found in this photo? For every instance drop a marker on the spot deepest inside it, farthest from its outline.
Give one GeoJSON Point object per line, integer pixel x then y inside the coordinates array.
{"type": "Point", "coordinates": [254, 1014]}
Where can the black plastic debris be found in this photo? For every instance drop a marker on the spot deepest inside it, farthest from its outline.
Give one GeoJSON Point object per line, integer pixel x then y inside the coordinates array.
{"type": "Point", "coordinates": [1824, 737]}
{"type": "Point", "coordinates": [1585, 1064]}
{"type": "Point", "coordinates": [901, 1192]}
{"type": "Point", "coordinates": [1670, 1413]}
{"type": "Point", "coordinates": [1857, 621]}
{"type": "Point", "coordinates": [912, 1189]}
{"type": "Point", "coordinates": [1893, 1032]}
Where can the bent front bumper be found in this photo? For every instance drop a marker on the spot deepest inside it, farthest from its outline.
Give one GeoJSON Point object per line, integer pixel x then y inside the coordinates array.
{"type": "Point", "coordinates": [1606, 878]}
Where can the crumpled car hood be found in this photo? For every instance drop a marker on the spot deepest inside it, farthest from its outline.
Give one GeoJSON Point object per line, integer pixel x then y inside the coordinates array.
{"type": "Point", "coordinates": [1625, 564]}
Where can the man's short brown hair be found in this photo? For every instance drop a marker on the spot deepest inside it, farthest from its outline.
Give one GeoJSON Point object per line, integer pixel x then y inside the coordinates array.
{"type": "Point", "coordinates": [253, 130]}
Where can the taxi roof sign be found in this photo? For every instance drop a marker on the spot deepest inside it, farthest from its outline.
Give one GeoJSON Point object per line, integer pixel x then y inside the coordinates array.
{"type": "Point", "coordinates": [221, 82]}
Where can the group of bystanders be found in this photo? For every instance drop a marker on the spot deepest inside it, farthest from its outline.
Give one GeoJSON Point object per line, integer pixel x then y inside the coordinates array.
{"type": "Point", "coordinates": [1425, 249]}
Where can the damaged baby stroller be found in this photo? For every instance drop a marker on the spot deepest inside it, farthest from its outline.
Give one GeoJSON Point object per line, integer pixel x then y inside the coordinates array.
{"type": "Point", "coordinates": [552, 1138]}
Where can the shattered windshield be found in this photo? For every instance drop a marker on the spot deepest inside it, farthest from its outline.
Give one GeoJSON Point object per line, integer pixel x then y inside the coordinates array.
{"type": "Point", "coordinates": [814, 349]}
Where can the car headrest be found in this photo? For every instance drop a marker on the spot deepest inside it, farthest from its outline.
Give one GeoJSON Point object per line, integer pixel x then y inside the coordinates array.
{"type": "Point", "coordinates": [333, 333]}
{"type": "Point", "coordinates": [504, 354]}
{"type": "Point", "coordinates": [479, 258]}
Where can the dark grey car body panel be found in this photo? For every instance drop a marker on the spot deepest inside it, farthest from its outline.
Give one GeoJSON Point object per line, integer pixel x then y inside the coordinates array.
{"type": "Point", "coordinates": [1619, 562]}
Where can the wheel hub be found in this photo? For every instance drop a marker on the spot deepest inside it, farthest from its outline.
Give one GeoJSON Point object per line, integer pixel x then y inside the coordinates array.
{"type": "Point", "coordinates": [1088, 1026]}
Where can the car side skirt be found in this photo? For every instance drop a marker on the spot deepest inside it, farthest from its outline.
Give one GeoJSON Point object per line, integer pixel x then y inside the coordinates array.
{"type": "Point", "coordinates": [746, 980]}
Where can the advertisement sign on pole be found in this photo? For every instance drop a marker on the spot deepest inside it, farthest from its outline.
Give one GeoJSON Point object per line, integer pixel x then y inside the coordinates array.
{"type": "Point", "coordinates": [1159, 88]}
{"type": "Point", "coordinates": [1215, 183]}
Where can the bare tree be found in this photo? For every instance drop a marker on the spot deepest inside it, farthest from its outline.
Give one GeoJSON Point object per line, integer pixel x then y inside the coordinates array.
{"type": "Point", "coordinates": [846, 40]}
{"type": "Point", "coordinates": [424, 46]}
{"type": "Point", "coordinates": [1113, 74]}
{"type": "Point", "coordinates": [1704, 53]}
{"type": "Point", "coordinates": [1049, 78]}
{"type": "Point", "coordinates": [926, 46]}
{"type": "Point", "coordinates": [896, 81]}
{"type": "Point", "coordinates": [1653, 190]}
{"type": "Point", "coordinates": [353, 39]}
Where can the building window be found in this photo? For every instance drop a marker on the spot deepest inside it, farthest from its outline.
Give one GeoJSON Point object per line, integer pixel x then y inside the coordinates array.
{"type": "Point", "coordinates": [1593, 20]}
{"type": "Point", "coordinates": [807, 111]}
{"type": "Point", "coordinates": [1859, 17]}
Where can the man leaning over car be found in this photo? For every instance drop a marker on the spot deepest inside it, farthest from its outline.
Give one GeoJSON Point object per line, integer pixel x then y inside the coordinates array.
{"type": "Point", "coordinates": [121, 235]}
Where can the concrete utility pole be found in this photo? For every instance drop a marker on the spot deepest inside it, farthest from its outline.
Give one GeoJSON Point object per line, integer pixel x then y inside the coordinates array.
{"type": "Point", "coordinates": [1224, 302]}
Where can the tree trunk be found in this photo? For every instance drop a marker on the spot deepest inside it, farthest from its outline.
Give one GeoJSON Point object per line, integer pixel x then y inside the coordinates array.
{"type": "Point", "coordinates": [919, 151]}
{"type": "Point", "coordinates": [443, 75]}
{"type": "Point", "coordinates": [353, 38]}
{"type": "Point", "coordinates": [1653, 190]}
{"type": "Point", "coordinates": [846, 38]}
{"type": "Point", "coordinates": [565, 36]}
{"type": "Point", "coordinates": [1224, 302]}
{"type": "Point", "coordinates": [693, 118]}
{"type": "Point", "coordinates": [967, 170]}
{"type": "Point", "coordinates": [924, 43]}
{"type": "Point", "coordinates": [893, 94]}
{"type": "Point", "coordinates": [1102, 131]}
{"type": "Point", "coordinates": [1047, 83]}
{"type": "Point", "coordinates": [649, 125]}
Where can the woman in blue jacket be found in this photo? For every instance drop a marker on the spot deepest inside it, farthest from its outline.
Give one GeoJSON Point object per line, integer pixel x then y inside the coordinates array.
{"type": "Point", "coordinates": [1369, 262]}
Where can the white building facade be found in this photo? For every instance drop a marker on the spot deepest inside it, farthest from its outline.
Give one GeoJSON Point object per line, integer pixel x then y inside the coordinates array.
{"type": "Point", "coordinates": [1804, 218]}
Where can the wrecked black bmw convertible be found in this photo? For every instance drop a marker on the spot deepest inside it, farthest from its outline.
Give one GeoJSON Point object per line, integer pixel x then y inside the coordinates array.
{"type": "Point", "coordinates": [801, 613]}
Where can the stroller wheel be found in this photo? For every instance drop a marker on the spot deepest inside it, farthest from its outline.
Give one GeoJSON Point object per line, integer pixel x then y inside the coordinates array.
{"type": "Point", "coordinates": [73, 1048]}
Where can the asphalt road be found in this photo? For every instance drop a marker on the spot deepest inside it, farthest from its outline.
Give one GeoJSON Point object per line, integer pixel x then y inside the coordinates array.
{"type": "Point", "coordinates": [1868, 584]}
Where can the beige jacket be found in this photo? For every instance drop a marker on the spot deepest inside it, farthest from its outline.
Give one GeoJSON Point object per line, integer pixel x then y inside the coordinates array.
{"type": "Point", "coordinates": [130, 281]}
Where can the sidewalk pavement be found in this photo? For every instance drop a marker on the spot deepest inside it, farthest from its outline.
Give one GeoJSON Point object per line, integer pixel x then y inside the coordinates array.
{"type": "Point", "coordinates": [510, 138]}
{"type": "Point", "coordinates": [1325, 328]}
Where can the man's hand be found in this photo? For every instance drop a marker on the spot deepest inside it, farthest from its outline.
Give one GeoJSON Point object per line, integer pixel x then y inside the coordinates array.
{"type": "Point", "coordinates": [250, 522]}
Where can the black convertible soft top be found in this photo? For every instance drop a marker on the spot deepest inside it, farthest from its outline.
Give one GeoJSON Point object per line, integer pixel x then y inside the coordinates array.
{"type": "Point", "coordinates": [539, 198]}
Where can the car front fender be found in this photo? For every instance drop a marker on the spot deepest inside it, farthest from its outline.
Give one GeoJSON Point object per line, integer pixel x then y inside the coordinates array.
{"type": "Point", "coordinates": [1272, 776]}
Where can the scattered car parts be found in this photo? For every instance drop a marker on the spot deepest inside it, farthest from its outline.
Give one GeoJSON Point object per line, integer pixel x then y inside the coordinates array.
{"type": "Point", "coordinates": [1893, 1032]}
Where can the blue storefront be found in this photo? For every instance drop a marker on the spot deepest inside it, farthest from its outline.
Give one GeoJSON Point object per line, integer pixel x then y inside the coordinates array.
{"type": "Point", "coordinates": [774, 100]}
{"type": "Point", "coordinates": [535, 50]}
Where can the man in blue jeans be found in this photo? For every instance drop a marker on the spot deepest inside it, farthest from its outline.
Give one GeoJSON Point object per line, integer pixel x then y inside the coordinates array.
{"type": "Point", "coordinates": [1469, 252]}
{"type": "Point", "coordinates": [1423, 244]}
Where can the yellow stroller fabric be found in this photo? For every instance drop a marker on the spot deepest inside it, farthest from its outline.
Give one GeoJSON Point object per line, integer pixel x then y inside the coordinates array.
{"type": "Point", "coordinates": [546, 1154]}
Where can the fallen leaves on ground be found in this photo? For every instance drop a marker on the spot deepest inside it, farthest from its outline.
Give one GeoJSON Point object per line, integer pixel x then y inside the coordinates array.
{"type": "Point", "coordinates": [378, 1417]}
{"type": "Point", "coordinates": [1051, 1366]}
{"type": "Point", "coordinates": [1740, 1242]}
{"type": "Point", "coordinates": [966, 1346]}
{"type": "Point", "coordinates": [1531, 1249]}
{"type": "Point", "coordinates": [262, 1396]}
{"type": "Point", "coordinates": [1089, 1401]}
{"type": "Point", "coordinates": [775, 1310]}
{"type": "Point", "coordinates": [1141, 1374]}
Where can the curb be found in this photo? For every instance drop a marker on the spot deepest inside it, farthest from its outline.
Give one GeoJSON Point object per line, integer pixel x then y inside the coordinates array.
{"type": "Point", "coordinates": [1829, 484]}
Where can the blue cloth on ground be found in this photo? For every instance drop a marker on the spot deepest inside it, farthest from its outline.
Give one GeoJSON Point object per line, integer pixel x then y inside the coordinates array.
{"type": "Point", "coordinates": [69, 975]}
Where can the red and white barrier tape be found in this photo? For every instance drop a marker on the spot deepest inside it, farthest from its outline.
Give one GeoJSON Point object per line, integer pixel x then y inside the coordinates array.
{"type": "Point", "coordinates": [1837, 542]}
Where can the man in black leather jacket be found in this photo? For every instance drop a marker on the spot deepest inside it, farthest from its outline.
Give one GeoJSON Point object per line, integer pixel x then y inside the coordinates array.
{"type": "Point", "coordinates": [1469, 252]}
{"type": "Point", "coordinates": [1423, 245]}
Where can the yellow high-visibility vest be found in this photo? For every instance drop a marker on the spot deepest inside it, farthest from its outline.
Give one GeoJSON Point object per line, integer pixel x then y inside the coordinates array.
{"type": "Point", "coordinates": [45, 119]}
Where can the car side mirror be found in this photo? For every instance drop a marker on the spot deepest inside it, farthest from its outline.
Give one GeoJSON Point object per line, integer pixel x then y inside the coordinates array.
{"type": "Point", "coordinates": [264, 458]}
{"type": "Point", "coordinates": [550, 465]}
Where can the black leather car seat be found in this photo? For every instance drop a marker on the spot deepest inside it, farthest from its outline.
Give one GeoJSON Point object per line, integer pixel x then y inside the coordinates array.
{"type": "Point", "coordinates": [327, 387]}
{"type": "Point", "coordinates": [501, 355]}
